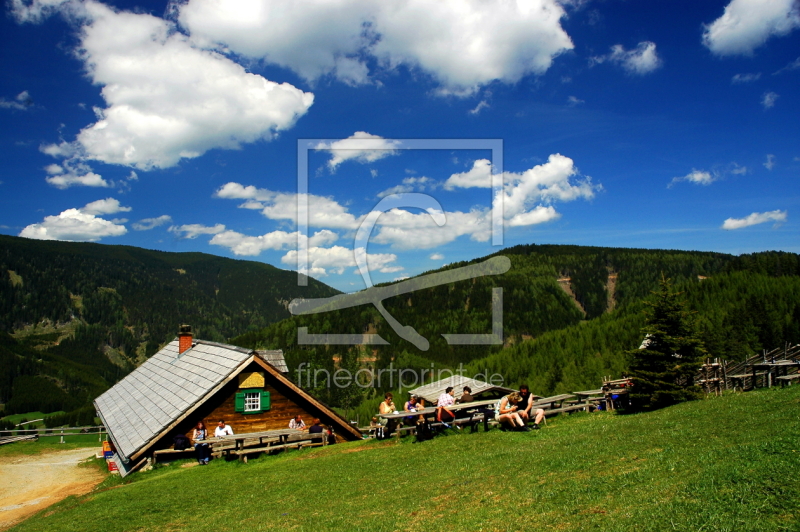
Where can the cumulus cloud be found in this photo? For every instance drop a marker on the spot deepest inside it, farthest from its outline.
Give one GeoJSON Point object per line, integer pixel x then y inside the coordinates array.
{"type": "Point", "coordinates": [105, 206]}
{"type": "Point", "coordinates": [768, 99]}
{"type": "Point", "coordinates": [409, 184]}
{"type": "Point", "coordinates": [755, 218]}
{"type": "Point", "coordinates": [322, 211]}
{"type": "Point", "coordinates": [745, 78]}
{"type": "Point", "coordinates": [337, 259]}
{"type": "Point", "coordinates": [436, 256]}
{"type": "Point", "coordinates": [641, 60]}
{"type": "Point", "coordinates": [166, 99]}
{"type": "Point", "coordinates": [747, 24]}
{"type": "Point", "coordinates": [769, 164]}
{"type": "Point", "coordinates": [80, 225]}
{"type": "Point", "coordinates": [73, 173]}
{"type": "Point", "coordinates": [34, 11]}
{"type": "Point", "coordinates": [361, 146]}
{"type": "Point", "coordinates": [241, 244]}
{"type": "Point", "coordinates": [461, 44]}
{"type": "Point", "coordinates": [698, 177]}
{"type": "Point", "coordinates": [22, 102]}
{"type": "Point", "coordinates": [151, 223]}
{"type": "Point", "coordinates": [194, 230]}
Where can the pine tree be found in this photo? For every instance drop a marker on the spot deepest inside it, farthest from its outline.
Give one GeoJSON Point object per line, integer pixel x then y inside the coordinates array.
{"type": "Point", "coordinates": [663, 369]}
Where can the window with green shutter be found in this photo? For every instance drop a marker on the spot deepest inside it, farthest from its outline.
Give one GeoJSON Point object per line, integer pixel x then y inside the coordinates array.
{"type": "Point", "coordinates": [251, 401]}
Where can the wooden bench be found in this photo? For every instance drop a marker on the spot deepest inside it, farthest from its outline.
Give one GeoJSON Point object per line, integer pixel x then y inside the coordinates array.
{"type": "Point", "coordinates": [296, 442]}
{"type": "Point", "coordinates": [162, 452]}
{"type": "Point", "coordinates": [787, 379]}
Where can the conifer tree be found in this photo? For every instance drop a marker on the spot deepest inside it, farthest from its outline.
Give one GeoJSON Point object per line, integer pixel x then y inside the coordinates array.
{"type": "Point", "coordinates": [663, 368]}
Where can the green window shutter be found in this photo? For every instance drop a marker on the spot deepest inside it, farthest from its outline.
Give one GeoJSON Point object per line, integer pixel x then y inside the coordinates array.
{"type": "Point", "coordinates": [238, 402]}
{"type": "Point", "coordinates": [265, 401]}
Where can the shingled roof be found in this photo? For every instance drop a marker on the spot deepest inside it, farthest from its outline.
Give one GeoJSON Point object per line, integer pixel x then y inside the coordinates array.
{"type": "Point", "coordinates": [142, 405]}
{"type": "Point", "coordinates": [432, 391]}
{"type": "Point", "coordinates": [275, 358]}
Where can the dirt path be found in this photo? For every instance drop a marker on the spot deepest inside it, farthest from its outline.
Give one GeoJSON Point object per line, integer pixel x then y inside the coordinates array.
{"type": "Point", "coordinates": [30, 483]}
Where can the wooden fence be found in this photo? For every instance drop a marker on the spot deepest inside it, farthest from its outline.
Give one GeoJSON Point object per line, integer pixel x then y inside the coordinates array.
{"type": "Point", "coordinates": [11, 435]}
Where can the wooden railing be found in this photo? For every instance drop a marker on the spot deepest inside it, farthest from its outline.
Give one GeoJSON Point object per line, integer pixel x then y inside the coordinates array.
{"type": "Point", "coordinates": [55, 432]}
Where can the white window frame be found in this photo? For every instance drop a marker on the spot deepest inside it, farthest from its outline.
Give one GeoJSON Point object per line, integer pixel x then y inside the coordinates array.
{"type": "Point", "coordinates": [252, 402]}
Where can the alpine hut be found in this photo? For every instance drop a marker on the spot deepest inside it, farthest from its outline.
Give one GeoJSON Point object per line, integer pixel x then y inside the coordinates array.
{"type": "Point", "coordinates": [192, 380]}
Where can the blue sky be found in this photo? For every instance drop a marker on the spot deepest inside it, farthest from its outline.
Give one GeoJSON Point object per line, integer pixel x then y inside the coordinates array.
{"type": "Point", "coordinates": [175, 126]}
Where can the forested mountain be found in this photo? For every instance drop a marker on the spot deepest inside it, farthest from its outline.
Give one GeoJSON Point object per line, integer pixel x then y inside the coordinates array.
{"type": "Point", "coordinates": [570, 313]}
{"type": "Point", "coordinates": [86, 314]}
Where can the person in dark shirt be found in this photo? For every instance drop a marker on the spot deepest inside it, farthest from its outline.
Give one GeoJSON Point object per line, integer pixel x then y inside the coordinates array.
{"type": "Point", "coordinates": [526, 410]}
{"type": "Point", "coordinates": [316, 428]}
{"type": "Point", "coordinates": [466, 397]}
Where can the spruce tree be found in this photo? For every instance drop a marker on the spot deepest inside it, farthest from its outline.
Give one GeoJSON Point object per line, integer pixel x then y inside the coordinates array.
{"type": "Point", "coordinates": [663, 368]}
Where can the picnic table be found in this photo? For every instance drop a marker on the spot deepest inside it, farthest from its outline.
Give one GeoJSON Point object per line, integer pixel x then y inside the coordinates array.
{"type": "Point", "coordinates": [586, 396]}
{"type": "Point", "coordinates": [254, 442]}
{"type": "Point", "coordinates": [772, 370]}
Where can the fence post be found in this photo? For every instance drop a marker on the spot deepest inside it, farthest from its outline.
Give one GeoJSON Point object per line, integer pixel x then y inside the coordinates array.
{"type": "Point", "coordinates": [62, 436]}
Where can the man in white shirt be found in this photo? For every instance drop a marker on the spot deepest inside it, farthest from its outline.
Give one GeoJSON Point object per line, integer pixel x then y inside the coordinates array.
{"type": "Point", "coordinates": [223, 429]}
{"type": "Point", "coordinates": [297, 423]}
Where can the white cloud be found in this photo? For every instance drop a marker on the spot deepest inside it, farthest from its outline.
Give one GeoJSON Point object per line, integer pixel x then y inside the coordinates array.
{"type": "Point", "coordinates": [361, 146]}
{"type": "Point", "coordinates": [755, 219]}
{"type": "Point", "coordinates": [768, 99]}
{"type": "Point", "coordinates": [105, 206]}
{"type": "Point", "coordinates": [747, 24]}
{"type": "Point", "coordinates": [71, 179]}
{"type": "Point", "coordinates": [436, 256]}
{"type": "Point", "coordinates": [477, 176]}
{"type": "Point", "coordinates": [77, 224]}
{"type": "Point", "coordinates": [698, 177]}
{"type": "Point", "coordinates": [54, 169]}
{"type": "Point", "coordinates": [480, 107]}
{"type": "Point", "coordinates": [241, 244]}
{"type": "Point", "coordinates": [322, 211]}
{"type": "Point", "coordinates": [22, 102]}
{"type": "Point", "coordinates": [195, 230]}
{"type": "Point", "coordinates": [572, 101]}
{"type": "Point", "coordinates": [641, 60]}
{"type": "Point", "coordinates": [409, 184]}
{"type": "Point", "coordinates": [151, 223]}
{"type": "Point", "coordinates": [739, 170]}
{"type": "Point", "coordinates": [794, 65]}
{"type": "Point", "coordinates": [34, 11]}
{"type": "Point", "coordinates": [769, 164]}
{"type": "Point", "coordinates": [167, 99]}
{"type": "Point", "coordinates": [406, 230]}
{"type": "Point", "coordinates": [461, 44]}
{"type": "Point", "coordinates": [336, 259]}
{"type": "Point", "coordinates": [745, 78]}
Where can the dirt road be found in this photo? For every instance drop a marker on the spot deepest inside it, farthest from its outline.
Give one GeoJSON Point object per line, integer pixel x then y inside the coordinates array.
{"type": "Point", "coordinates": [30, 483]}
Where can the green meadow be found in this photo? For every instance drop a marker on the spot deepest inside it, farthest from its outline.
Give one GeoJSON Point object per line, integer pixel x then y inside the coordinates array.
{"type": "Point", "coordinates": [724, 463]}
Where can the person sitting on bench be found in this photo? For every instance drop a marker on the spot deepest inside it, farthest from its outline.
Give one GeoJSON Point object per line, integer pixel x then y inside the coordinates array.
{"type": "Point", "coordinates": [297, 423]}
{"type": "Point", "coordinates": [526, 410]}
{"type": "Point", "coordinates": [506, 412]}
{"type": "Point", "coordinates": [466, 397]}
{"type": "Point", "coordinates": [316, 428]}
{"type": "Point", "coordinates": [387, 407]}
{"type": "Point", "coordinates": [411, 406]}
{"type": "Point", "coordinates": [199, 436]}
{"type": "Point", "coordinates": [223, 429]}
{"type": "Point", "coordinates": [443, 414]}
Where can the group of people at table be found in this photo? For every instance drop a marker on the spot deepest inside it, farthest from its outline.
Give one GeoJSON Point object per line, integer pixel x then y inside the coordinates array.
{"type": "Point", "coordinates": [512, 411]}
{"type": "Point", "coordinates": [200, 436]}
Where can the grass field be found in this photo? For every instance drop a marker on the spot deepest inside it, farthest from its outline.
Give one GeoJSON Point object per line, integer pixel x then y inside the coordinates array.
{"type": "Point", "coordinates": [30, 416]}
{"type": "Point", "coordinates": [722, 464]}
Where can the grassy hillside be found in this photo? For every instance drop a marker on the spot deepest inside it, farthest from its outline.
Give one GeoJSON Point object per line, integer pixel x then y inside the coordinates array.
{"type": "Point", "coordinates": [720, 464]}
{"type": "Point", "coordinates": [84, 315]}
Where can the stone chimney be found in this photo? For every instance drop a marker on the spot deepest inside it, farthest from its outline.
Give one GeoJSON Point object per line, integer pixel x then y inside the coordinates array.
{"type": "Point", "coordinates": [184, 338]}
